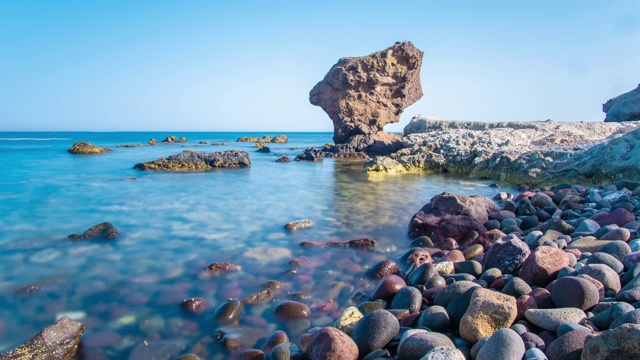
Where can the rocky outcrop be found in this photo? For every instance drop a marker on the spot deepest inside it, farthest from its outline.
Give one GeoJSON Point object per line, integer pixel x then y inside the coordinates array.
{"type": "Point", "coordinates": [536, 153]}
{"type": "Point", "coordinates": [58, 341]}
{"type": "Point", "coordinates": [86, 148]}
{"type": "Point", "coordinates": [173, 139]}
{"type": "Point", "coordinates": [104, 230]}
{"type": "Point", "coordinates": [265, 139]}
{"type": "Point", "coordinates": [452, 216]}
{"type": "Point", "coordinates": [197, 161]}
{"type": "Point", "coordinates": [363, 94]}
{"type": "Point", "coordinates": [625, 107]}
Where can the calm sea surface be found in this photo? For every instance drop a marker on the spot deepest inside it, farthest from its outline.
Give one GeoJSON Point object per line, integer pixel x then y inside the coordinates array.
{"type": "Point", "coordinates": [173, 225]}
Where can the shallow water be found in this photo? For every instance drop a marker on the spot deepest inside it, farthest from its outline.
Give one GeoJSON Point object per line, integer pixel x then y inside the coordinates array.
{"type": "Point", "coordinates": [173, 225]}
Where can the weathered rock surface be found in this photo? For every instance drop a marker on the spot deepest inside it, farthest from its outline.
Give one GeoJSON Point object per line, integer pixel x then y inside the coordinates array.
{"type": "Point", "coordinates": [331, 344]}
{"type": "Point", "coordinates": [265, 139]}
{"type": "Point", "coordinates": [103, 230]}
{"type": "Point", "coordinates": [488, 312]}
{"type": "Point", "coordinates": [625, 107]}
{"type": "Point", "coordinates": [537, 153]}
{"type": "Point", "coordinates": [58, 341]}
{"type": "Point", "coordinates": [363, 94]}
{"type": "Point", "coordinates": [621, 343]}
{"type": "Point", "coordinates": [452, 216]}
{"type": "Point", "coordinates": [86, 148]}
{"type": "Point", "coordinates": [197, 161]}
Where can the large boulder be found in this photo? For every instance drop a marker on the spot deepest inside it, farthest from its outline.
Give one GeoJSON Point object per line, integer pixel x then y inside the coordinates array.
{"type": "Point", "coordinates": [625, 107]}
{"type": "Point", "coordinates": [621, 343]}
{"type": "Point", "coordinates": [363, 94]}
{"type": "Point", "coordinates": [197, 161]}
{"type": "Point", "coordinates": [452, 216]}
{"type": "Point", "coordinates": [57, 341]}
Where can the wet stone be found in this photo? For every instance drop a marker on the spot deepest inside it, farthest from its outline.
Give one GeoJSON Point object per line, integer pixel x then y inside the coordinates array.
{"type": "Point", "coordinates": [229, 312]}
{"type": "Point", "coordinates": [408, 298]}
{"type": "Point", "coordinates": [291, 310]}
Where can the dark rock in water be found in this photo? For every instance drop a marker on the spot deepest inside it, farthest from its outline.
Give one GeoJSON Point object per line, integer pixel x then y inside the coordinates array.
{"type": "Point", "coordinates": [299, 225]}
{"type": "Point", "coordinates": [104, 230]}
{"type": "Point", "coordinates": [452, 216]}
{"type": "Point", "coordinates": [264, 150]}
{"type": "Point", "coordinates": [261, 297]}
{"type": "Point", "coordinates": [375, 330]}
{"type": "Point", "coordinates": [238, 339]}
{"type": "Point", "coordinates": [625, 107]}
{"type": "Point", "coordinates": [86, 148]}
{"type": "Point", "coordinates": [363, 243]}
{"type": "Point", "coordinates": [291, 310]}
{"type": "Point", "coordinates": [229, 312]}
{"type": "Point", "coordinates": [57, 341]}
{"type": "Point", "coordinates": [283, 159]}
{"type": "Point", "coordinates": [129, 145]}
{"type": "Point", "coordinates": [388, 287]}
{"type": "Point", "coordinates": [382, 269]}
{"type": "Point", "coordinates": [194, 305]}
{"type": "Point", "coordinates": [310, 154]}
{"type": "Point", "coordinates": [197, 161]}
{"type": "Point", "coordinates": [218, 268]}
{"type": "Point", "coordinates": [363, 94]}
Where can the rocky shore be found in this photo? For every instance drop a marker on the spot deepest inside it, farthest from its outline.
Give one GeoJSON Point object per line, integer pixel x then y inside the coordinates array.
{"type": "Point", "coordinates": [534, 153]}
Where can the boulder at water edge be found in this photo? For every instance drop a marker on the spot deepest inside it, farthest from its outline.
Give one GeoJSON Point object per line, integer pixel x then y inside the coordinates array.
{"type": "Point", "coordinates": [58, 341]}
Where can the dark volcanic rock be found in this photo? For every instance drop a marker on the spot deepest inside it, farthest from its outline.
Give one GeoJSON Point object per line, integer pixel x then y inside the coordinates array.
{"type": "Point", "coordinates": [506, 254]}
{"type": "Point", "coordinates": [104, 230]}
{"type": "Point", "coordinates": [58, 341]}
{"type": "Point", "coordinates": [86, 148]}
{"type": "Point", "coordinates": [363, 94]}
{"type": "Point", "coordinates": [452, 216]}
{"type": "Point", "coordinates": [196, 161]}
{"type": "Point", "coordinates": [310, 154]}
{"type": "Point", "coordinates": [625, 107]}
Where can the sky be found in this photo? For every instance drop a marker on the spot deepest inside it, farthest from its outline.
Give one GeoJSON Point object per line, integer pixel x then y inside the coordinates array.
{"type": "Point", "coordinates": [249, 65]}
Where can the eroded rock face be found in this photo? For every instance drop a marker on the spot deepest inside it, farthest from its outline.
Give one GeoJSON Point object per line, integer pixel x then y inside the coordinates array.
{"type": "Point", "coordinates": [452, 216]}
{"type": "Point", "coordinates": [197, 161]}
{"type": "Point", "coordinates": [625, 107]}
{"type": "Point", "coordinates": [363, 94]}
{"type": "Point", "coordinates": [58, 341]}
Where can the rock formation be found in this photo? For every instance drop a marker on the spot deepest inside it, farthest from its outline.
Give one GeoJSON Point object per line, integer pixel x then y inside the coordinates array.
{"type": "Point", "coordinates": [86, 148]}
{"type": "Point", "coordinates": [103, 230]}
{"type": "Point", "coordinates": [625, 107]}
{"type": "Point", "coordinates": [265, 139]}
{"type": "Point", "coordinates": [197, 161]}
{"type": "Point", "coordinates": [363, 94]}
{"type": "Point", "coordinates": [58, 341]}
{"type": "Point", "coordinates": [535, 153]}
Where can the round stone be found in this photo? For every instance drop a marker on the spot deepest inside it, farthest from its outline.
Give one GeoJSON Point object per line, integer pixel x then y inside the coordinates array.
{"type": "Point", "coordinates": [550, 319]}
{"type": "Point", "coordinates": [417, 345]}
{"type": "Point", "coordinates": [388, 287]}
{"type": "Point", "coordinates": [291, 310]}
{"type": "Point", "coordinates": [543, 265]}
{"type": "Point", "coordinates": [568, 346]}
{"type": "Point", "coordinates": [443, 353]}
{"type": "Point", "coordinates": [505, 344]}
{"type": "Point", "coordinates": [408, 298]}
{"type": "Point", "coordinates": [375, 330]}
{"type": "Point", "coordinates": [435, 318]}
{"type": "Point", "coordinates": [606, 259]}
{"type": "Point", "coordinates": [572, 291]}
{"type": "Point", "coordinates": [331, 343]}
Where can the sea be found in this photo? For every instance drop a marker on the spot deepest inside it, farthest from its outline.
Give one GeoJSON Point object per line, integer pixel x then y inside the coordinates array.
{"type": "Point", "coordinates": [128, 291]}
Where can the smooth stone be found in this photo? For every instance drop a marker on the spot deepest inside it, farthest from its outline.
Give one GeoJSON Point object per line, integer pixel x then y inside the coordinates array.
{"type": "Point", "coordinates": [617, 234]}
{"type": "Point", "coordinates": [291, 310]}
{"type": "Point", "coordinates": [470, 267]}
{"type": "Point", "coordinates": [524, 303]}
{"type": "Point", "coordinates": [542, 297]}
{"type": "Point", "coordinates": [489, 275]}
{"type": "Point", "coordinates": [375, 330]}
{"type": "Point", "coordinates": [629, 296]}
{"type": "Point", "coordinates": [535, 354]}
{"type": "Point", "coordinates": [452, 291]}
{"type": "Point", "coordinates": [435, 318]}
{"type": "Point", "coordinates": [588, 244]}
{"type": "Point", "coordinates": [408, 298]}
{"type": "Point", "coordinates": [618, 216]}
{"type": "Point", "coordinates": [504, 344]}
{"type": "Point", "coordinates": [488, 312]}
{"type": "Point", "coordinates": [588, 226]}
{"type": "Point", "coordinates": [550, 319]}
{"type": "Point", "coordinates": [617, 249]}
{"type": "Point", "coordinates": [516, 287]}
{"type": "Point", "coordinates": [606, 259]}
{"type": "Point", "coordinates": [229, 312]}
{"type": "Point", "coordinates": [568, 346]}
{"type": "Point", "coordinates": [422, 274]}
{"type": "Point", "coordinates": [574, 292]}
{"type": "Point", "coordinates": [388, 287]}
{"type": "Point", "coordinates": [458, 307]}
{"type": "Point", "coordinates": [276, 338]}
{"type": "Point", "coordinates": [417, 345]}
{"type": "Point", "coordinates": [286, 351]}
{"type": "Point", "coordinates": [603, 273]}
{"type": "Point", "coordinates": [443, 353]}
{"type": "Point", "coordinates": [605, 318]}
{"type": "Point", "coordinates": [621, 343]}
{"type": "Point", "coordinates": [331, 343]}
{"type": "Point", "coordinates": [543, 265]}
{"type": "Point", "coordinates": [631, 259]}
{"type": "Point", "coordinates": [632, 317]}
{"type": "Point", "coordinates": [382, 269]}
{"type": "Point", "coordinates": [565, 328]}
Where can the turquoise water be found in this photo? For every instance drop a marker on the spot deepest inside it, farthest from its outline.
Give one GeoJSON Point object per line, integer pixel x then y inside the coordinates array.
{"type": "Point", "coordinates": [173, 225]}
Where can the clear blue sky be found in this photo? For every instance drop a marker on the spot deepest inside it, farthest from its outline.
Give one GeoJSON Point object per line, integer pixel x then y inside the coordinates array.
{"type": "Point", "coordinates": [249, 65]}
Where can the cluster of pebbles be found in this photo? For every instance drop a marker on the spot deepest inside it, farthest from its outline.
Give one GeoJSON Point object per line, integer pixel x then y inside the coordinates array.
{"type": "Point", "coordinates": [553, 274]}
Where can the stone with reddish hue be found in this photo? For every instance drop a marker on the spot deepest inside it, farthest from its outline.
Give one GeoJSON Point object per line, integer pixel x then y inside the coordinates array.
{"type": "Point", "coordinates": [388, 287]}
{"type": "Point", "coordinates": [382, 269]}
{"type": "Point", "coordinates": [619, 216]}
{"type": "Point", "coordinates": [330, 343]}
{"type": "Point", "coordinates": [276, 338]}
{"type": "Point", "coordinates": [489, 238]}
{"type": "Point", "coordinates": [291, 310]}
{"type": "Point", "coordinates": [363, 94]}
{"type": "Point", "coordinates": [568, 346]}
{"type": "Point", "coordinates": [453, 256]}
{"type": "Point", "coordinates": [452, 216]}
{"type": "Point", "coordinates": [506, 254]}
{"type": "Point", "coordinates": [621, 343]}
{"type": "Point", "coordinates": [524, 303]}
{"type": "Point", "coordinates": [543, 265]}
{"type": "Point", "coordinates": [194, 305]}
{"type": "Point", "coordinates": [488, 312]}
{"type": "Point", "coordinates": [57, 341]}
{"type": "Point", "coordinates": [415, 257]}
{"type": "Point", "coordinates": [573, 291]}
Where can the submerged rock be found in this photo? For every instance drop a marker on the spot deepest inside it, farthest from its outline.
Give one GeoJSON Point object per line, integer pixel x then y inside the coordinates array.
{"type": "Point", "coordinates": [363, 243]}
{"type": "Point", "coordinates": [197, 161]}
{"type": "Point", "coordinates": [625, 107]}
{"type": "Point", "coordinates": [363, 94]}
{"type": "Point", "coordinates": [86, 148]}
{"type": "Point", "coordinates": [103, 230]}
{"type": "Point", "coordinates": [299, 225]}
{"type": "Point", "coordinates": [58, 341]}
